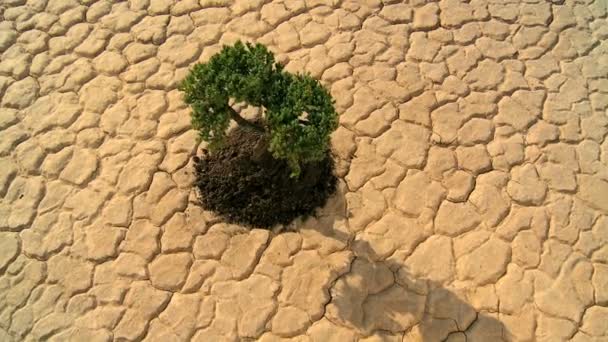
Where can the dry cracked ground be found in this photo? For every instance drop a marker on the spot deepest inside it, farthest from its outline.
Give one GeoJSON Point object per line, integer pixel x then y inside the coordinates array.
{"type": "Point", "coordinates": [472, 155]}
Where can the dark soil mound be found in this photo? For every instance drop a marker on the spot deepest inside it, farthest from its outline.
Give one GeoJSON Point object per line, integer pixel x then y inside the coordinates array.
{"type": "Point", "coordinates": [243, 182]}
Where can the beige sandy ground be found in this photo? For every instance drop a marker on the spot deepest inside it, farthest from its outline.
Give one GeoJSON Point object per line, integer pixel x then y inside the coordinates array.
{"type": "Point", "coordinates": [472, 154]}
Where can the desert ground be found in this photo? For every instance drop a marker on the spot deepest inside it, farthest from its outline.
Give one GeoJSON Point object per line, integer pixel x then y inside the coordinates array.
{"type": "Point", "coordinates": [471, 154]}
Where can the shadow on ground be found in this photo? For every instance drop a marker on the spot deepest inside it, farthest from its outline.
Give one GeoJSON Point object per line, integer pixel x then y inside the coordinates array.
{"type": "Point", "coordinates": [382, 296]}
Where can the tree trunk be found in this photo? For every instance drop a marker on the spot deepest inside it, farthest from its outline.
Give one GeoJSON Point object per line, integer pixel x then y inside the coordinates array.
{"type": "Point", "coordinates": [260, 151]}
{"type": "Point", "coordinates": [244, 122]}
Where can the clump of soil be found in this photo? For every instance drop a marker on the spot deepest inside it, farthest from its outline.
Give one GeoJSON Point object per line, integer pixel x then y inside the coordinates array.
{"type": "Point", "coordinates": [242, 182]}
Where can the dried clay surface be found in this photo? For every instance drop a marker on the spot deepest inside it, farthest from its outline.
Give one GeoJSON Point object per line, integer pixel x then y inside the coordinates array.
{"type": "Point", "coordinates": [472, 158]}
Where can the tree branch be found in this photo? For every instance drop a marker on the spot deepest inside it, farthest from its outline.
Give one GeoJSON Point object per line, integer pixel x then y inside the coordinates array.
{"type": "Point", "coordinates": [244, 122]}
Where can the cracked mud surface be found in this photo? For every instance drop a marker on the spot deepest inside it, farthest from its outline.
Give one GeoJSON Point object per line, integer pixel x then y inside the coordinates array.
{"type": "Point", "coordinates": [472, 154]}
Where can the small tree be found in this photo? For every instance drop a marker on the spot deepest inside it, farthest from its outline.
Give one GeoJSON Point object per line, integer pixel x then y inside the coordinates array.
{"type": "Point", "coordinates": [299, 115]}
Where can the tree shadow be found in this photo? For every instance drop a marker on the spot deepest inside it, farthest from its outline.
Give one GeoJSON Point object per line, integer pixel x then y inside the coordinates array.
{"type": "Point", "coordinates": [380, 294]}
{"type": "Point", "coordinates": [383, 296]}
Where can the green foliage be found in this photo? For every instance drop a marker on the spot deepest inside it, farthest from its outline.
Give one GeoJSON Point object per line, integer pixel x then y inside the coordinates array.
{"type": "Point", "coordinates": [299, 113]}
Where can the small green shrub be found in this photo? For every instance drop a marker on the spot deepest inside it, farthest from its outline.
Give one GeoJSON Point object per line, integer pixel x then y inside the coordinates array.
{"type": "Point", "coordinates": [299, 115]}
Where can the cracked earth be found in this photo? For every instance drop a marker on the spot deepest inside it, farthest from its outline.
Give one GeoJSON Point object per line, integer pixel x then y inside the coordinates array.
{"type": "Point", "coordinates": [472, 156]}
